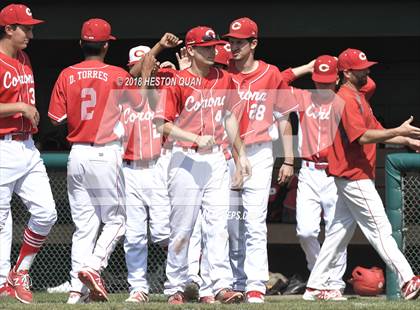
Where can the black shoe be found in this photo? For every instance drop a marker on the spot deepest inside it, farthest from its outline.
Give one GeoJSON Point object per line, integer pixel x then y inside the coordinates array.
{"type": "Point", "coordinates": [296, 286]}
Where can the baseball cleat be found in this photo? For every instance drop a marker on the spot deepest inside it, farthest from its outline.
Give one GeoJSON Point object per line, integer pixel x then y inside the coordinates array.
{"type": "Point", "coordinates": [254, 297]}
{"type": "Point", "coordinates": [94, 282]}
{"type": "Point", "coordinates": [62, 288]}
{"type": "Point", "coordinates": [21, 283]}
{"type": "Point", "coordinates": [78, 298]}
{"type": "Point", "coordinates": [411, 290]}
{"type": "Point", "coordinates": [228, 296]}
{"type": "Point", "coordinates": [177, 299]}
{"type": "Point", "coordinates": [191, 291]}
{"type": "Point", "coordinates": [314, 294]}
{"type": "Point", "coordinates": [138, 297]}
{"type": "Point", "coordinates": [6, 290]}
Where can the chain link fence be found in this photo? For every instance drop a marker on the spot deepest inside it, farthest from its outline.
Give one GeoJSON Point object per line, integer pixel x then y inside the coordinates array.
{"type": "Point", "coordinates": [53, 264]}
{"type": "Point", "coordinates": [410, 187]}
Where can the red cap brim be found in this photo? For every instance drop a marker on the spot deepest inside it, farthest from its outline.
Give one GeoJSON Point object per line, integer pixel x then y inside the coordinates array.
{"type": "Point", "coordinates": [112, 37]}
{"type": "Point", "coordinates": [322, 78]}
{"type": "Point", "coordinates": [237, 35]}
{"type": "Point", "coordinates": [32, 21]}
{"type": "Point", "coordinates": [366, 65]}
{"type": "Point", "coordinates": [211, 43]}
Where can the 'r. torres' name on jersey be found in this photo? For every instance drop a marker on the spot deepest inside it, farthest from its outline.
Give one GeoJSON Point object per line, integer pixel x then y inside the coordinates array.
{"type": "Point", "coordinates": [89, 74]}
{"type": "Point", "coordinates": [9, 80]}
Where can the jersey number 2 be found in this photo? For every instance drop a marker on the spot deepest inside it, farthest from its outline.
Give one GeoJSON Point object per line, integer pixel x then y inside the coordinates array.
{"type": "Point", "coordinates": [86, 104]}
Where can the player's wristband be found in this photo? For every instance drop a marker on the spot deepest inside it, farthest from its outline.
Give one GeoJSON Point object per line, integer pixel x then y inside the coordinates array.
{"type": "Point", "coordinates": [287, 164]}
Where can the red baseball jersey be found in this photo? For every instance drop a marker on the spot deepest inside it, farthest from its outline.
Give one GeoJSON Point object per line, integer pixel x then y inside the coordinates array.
{"type": "Point", "coordinates": [142, 140]}
{"type": "Point", "coordinates": [347, 158]}
{"type": "Point", "coordinates": [198, 104]}
{"type": "Point", "coordinates": [88, 95]}
{"type": "Point", "coordinates": [318, 124]}
{"type": "Point", "coordinates": [17, 85]}
{"type": "Point", "coordinates": [262, 92]}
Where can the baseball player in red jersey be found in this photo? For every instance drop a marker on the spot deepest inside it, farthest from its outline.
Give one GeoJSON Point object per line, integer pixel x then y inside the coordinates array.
{"type": "Point", "coordinates": [145, 171]}
{"type": "Point", "coordinates": [258, 84]}
{"type": "Point", "coordinates": [198, 175]}
{"type": "Point", "coordinates": [200, 284]}
{"type": "Point", "coordinates": [87, 95]}
{"type": "Point", "coordinates": [22, 169]}
{"type": "Point", "coordinates": [316, 192]}
{"type": "Point", "coordinates": [351, 161]}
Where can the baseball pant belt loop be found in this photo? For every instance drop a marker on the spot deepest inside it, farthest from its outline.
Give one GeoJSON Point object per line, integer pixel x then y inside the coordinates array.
{"type": "Point", "coordinates": [196, 150]}
{"type": "Point", "coordinates": [18, 136]}
{"type": "Point", "coordinates": [142, 164]}
{"type": "Point", "coordinates": [314, 165]}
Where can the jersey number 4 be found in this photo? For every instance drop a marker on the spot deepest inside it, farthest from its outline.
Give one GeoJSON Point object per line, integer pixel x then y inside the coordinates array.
{"type": "Point", "coordinates": [87, 105]}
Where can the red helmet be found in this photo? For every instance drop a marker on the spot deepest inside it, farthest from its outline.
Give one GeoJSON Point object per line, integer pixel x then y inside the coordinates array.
{"type": "Point", "coordinates": [367, 282]}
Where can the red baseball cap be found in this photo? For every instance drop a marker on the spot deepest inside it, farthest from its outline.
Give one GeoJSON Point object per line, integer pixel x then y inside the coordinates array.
{"type": "Point", "coordinates": [325, 69]}
{"type": "Point", "coordinates": [17, 14]}
{"type": "Point", "coordinates": [353, 59]}
{"type": "Point", "coordinates": [202, 36]}
{"type": "Point", "coordinates": [223, 54]}
{"type": "Point", "coordinates": [243, 28]}
{"type": "Point", "coordinates": [96, 30]}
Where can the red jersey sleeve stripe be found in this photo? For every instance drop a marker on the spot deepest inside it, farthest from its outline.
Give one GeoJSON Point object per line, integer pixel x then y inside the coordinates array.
{"type": "Point", "coordinates": [57, 118]}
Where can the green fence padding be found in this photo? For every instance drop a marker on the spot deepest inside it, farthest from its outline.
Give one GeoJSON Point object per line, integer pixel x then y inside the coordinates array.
{"type": "Point", "coordinates": [55, 159]}
{"type": "Point", "coordinates": [395, 166]}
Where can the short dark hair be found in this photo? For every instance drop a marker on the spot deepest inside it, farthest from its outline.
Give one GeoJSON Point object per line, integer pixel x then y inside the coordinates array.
{"type": "Point", "coordinates": [92, 48]}
{"type": "Point", "coordinates": [3, 30]}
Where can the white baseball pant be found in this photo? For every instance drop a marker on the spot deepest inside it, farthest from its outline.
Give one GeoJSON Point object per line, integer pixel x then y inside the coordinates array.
{"type": "Point", "coordinates": [23, 172]}
{"type": "Point", "coordinates": [6, 236]}
{"type": "Point", "coordinates": [358, 203]}
{"type": "Point", "coordinates": [316, 193]}
{"type": "Point", "coordinates": [144, 208]}
{"type": "Point", "coordinates": [255, 195]}
{"type": "Point", "coordinates": [96, 188]}
{"type": "Point", "coordinates": [236, 229]}
{"type": "Point", "coordinates": [198, 181]}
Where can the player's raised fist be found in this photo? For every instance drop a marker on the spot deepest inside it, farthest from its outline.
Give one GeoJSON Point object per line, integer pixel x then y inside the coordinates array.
{"type": "Point", "coordinates": [169, 40]}
{"type": "Point", "coordinates": [205, 141]}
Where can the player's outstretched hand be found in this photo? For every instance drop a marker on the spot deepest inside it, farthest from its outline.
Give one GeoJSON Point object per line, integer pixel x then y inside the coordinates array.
{"type": "Point", "coordinates": [407, 130]}
{"type": "Point", "coordinates": [205, 141]}
{"type": "Point", "coordinates": [169, 40]}
{"type": "Point", "coordinates": [414, 144]}
{"type": "Point", "coordinates": [31, 113]}
{"type": "Point", "coordinates": [285, 173]}
{"type": "Point", "coordinates": [184, 61]}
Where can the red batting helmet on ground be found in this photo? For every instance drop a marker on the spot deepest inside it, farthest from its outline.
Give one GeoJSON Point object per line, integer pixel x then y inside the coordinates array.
{"type": "Point", "coordinates": [367, 282]}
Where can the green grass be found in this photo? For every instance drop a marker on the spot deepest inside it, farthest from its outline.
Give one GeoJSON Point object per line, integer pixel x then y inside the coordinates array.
{"type": "Point", "coordinates": [57, 301]}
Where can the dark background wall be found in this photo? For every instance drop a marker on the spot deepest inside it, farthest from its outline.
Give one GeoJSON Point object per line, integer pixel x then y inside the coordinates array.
{"type": "Point", "coordinates": [290, 34]}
